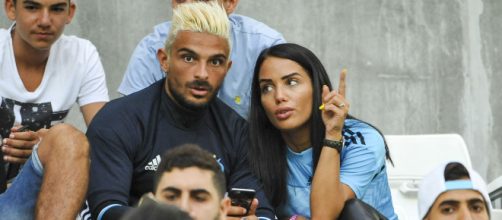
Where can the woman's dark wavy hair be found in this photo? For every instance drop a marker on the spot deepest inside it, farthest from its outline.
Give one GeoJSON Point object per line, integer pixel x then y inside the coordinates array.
{"type": "Point", "coordinates": [267, 152]}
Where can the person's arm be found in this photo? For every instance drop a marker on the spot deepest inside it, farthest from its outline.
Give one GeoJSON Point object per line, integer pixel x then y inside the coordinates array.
{"type": "Point", "coordinates": [93, 93]}
{"type": "Point", "coordinates": [112, 136]}
{"type": "Point", "coordinates": [328, 194]}
{"type": "Point", "coordinates": [90, 110]}
{"type": "Point", "coordinates": [144, 68]}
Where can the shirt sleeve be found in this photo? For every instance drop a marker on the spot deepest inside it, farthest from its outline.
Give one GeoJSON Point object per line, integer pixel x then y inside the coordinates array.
{"type": "Point", "coordinates": [93, 88]}
{"type": "Point", "coordinates": [362, 158]}
{"type": "Point", "coordinates": [242, 177]}
{"type": "Point", "coordinates": [111, 140]}
{"type": "Point", "coordinates": [279, 39]}
{"type": "Point", "coordinates": [144, 67]}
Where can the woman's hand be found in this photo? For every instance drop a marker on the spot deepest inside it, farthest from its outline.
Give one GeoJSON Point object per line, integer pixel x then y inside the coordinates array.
{"type": "Point", "coordinates": [335, 110]}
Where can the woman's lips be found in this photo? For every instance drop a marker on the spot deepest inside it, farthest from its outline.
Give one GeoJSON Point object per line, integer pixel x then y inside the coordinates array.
{"type": "Point", "coordinates": [283, 113]}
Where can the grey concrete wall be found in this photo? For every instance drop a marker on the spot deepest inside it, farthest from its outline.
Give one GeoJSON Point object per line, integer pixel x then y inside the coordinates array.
{"type": "Point", "coordinates": [415, 66]}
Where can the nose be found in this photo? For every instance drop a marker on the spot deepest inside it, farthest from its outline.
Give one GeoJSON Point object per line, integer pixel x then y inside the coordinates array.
{"type": "Point", "coordinates": [184, 203]}
{"type": "Point", "coordinates": [280, 95]}
{"type": "Point", "coordinates": [202, 73]}
{"type": "Point", "coordinates": [44, 19]}
{"type": "Point", "coordinates": [464, 214]}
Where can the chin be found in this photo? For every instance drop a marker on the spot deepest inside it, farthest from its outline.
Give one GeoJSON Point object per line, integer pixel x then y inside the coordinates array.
{"type": "Point", "coordinates": [286, 126]}
{"type": "Point", "coordinates": [42, 47]}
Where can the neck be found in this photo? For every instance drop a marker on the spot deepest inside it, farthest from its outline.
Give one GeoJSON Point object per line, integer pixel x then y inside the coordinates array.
{"type": "Point", "coordinates": [26, 56]}
{"type": "Point", "coordinates": [298, 140]}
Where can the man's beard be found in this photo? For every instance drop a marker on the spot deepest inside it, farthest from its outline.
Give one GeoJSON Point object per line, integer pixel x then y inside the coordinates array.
{"type": "Point", "coordinates": [185, 103]}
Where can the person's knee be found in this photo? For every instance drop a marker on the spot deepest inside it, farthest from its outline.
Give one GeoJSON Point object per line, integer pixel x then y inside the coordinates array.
{"type": "Point", "coordinates": [63, 141]}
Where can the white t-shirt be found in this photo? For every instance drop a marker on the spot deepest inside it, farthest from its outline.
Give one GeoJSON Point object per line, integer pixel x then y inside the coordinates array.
{"type": "Point", "coordinates": [73, 73]}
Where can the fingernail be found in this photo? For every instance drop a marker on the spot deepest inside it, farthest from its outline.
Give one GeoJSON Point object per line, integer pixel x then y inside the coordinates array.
{"type": "Point", "coordinates": [321, 107]}
{"type": "Point", "coordinates": [5, 140]}
{"type": "Point", "coordinates": [11, 136]}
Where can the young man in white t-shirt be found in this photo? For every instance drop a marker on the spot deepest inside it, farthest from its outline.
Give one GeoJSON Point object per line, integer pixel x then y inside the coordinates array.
{"type": "Point", "coordinates": [42, 74]}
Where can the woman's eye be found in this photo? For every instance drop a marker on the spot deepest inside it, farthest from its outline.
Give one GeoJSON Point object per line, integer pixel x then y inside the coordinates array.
{"type": "Point", "coordinates": [292, 82]}
{"type": "Point", "coordinates": [265, 89]}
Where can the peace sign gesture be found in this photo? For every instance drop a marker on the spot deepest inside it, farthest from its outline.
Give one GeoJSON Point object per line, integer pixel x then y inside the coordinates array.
{"type": "Point", "coordinates": [334, 109]}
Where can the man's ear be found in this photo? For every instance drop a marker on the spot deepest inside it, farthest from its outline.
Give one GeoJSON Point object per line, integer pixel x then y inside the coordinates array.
{"type": "Point", "coordinates": [10, 9]}
{"type": "Point", "coordinates": [163, 59]}
{"type": "Point", "coordinates": [230, 5]}
{"type": "Point", "coordinates": [224, 207]}
{"type": "Point", "coordinates": [229, 65]}
{"type": "Point", "coordinates": [71, 12]}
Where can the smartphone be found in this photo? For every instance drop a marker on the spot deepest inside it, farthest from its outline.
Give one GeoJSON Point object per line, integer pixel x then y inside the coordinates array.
{"type": "Point", "coordinates": [242, 198]}
{"type": "Point", "coordinates": [24, 128]}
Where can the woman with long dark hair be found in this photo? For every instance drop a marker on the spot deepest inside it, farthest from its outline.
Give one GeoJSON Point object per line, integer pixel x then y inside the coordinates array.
{"type": "Point", "coordinates": [309, 153]}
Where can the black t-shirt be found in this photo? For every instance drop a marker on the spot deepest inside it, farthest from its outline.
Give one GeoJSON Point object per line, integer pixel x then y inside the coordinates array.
{"type": "Point", "coordinates": [129, 135]}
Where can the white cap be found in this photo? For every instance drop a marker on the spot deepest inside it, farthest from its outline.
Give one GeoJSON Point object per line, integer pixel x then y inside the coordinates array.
{"type": "Point", "coordinates": [434, 185]}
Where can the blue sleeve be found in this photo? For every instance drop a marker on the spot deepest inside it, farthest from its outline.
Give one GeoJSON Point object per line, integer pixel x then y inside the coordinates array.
{"type": "Point", "coordinates": [111, 137]}
{"type": "Point", "coordinates": [144, 67]}
{"type": "Point", "coordinates": [278, 40]}
{"type": "Point", "coordinates": [362, 158]}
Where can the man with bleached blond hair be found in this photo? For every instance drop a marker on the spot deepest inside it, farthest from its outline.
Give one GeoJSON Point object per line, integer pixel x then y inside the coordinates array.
{"type": "Point", "coordinates": [129, 134]}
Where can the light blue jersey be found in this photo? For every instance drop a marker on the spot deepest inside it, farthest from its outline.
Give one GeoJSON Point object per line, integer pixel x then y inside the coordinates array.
{"type": "Point", "coordinates": [248, 37]}
{"type": "Point", "coordinates": [362, 169]}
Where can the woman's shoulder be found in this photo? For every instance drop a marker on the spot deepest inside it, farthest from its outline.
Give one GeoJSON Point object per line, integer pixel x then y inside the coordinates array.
{"type": "Point", "coordinates": [358, 133]}
{"type": "Point", "coordinates": [362, 142]}
{"type": "Point", "coordinates": [360, 130]}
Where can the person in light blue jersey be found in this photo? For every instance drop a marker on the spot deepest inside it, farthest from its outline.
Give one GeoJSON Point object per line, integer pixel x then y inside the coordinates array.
{"type": "Point", "coordinates": [248, 37]}
{"type": "Point", "coordinates": [305, 145]}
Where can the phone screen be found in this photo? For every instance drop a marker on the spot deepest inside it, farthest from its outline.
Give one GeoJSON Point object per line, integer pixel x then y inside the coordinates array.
{"type": "Point", "coordinates": [242, 197]}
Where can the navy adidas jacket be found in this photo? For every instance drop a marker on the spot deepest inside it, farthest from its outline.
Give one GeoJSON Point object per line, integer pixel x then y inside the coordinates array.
{"type": "Point", "coordinates": [129, 133]}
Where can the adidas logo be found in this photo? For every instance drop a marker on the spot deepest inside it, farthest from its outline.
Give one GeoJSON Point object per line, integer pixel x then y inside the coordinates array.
{"type": "Point", "coordinates": [152, 165]}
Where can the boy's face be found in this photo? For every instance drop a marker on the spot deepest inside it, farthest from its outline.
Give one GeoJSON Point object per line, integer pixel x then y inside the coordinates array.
{"type": "Point", "coordinates": [459, 204]}
{"type": "Point", "coordinates": [192, 190]}
{"type": "Point", "coordinates": [39, 23]}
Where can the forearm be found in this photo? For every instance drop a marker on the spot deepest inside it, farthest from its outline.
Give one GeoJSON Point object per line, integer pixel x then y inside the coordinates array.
{"type": "Point", "coordinates": [327, 196]}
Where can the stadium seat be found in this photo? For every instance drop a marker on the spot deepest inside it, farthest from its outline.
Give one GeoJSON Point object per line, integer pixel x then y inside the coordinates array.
{"type": "Point", "coordinates": [495, 191]}
{"type": "Point", "coordinates": [496, 214]}
{"type": "Point", "coordinates": [414, 156]}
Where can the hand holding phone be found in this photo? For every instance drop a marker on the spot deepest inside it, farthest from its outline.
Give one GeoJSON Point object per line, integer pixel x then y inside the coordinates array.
{"type": "Point", "coordinates": [242, 198]}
